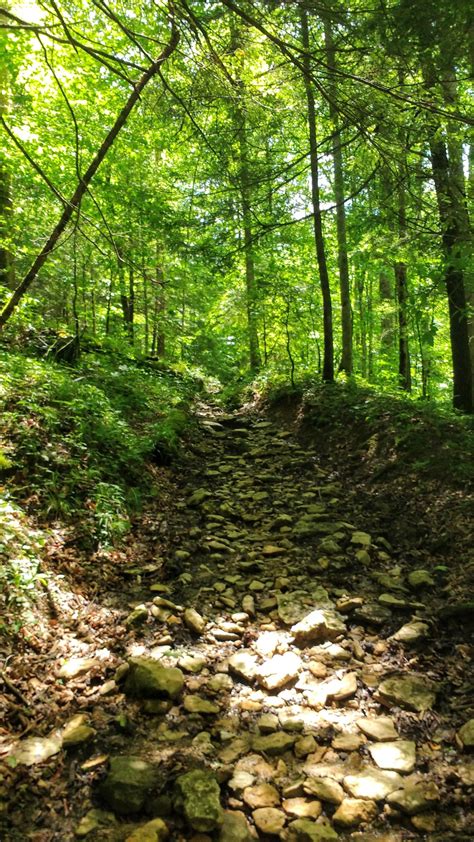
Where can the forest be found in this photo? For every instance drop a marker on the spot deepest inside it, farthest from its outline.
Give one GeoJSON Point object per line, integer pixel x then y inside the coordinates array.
{"type": "Point", "coordinates": [236, 420]}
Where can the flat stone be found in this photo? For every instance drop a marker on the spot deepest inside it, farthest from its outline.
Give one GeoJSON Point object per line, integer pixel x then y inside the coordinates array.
{"type": "Point", "coordinates": [77, 731]}
{"type": "Point", "coordinates": [269, 820]}
{"type": "Point", "coordinates": [35, 750]}
{"type": "Point", "coordinates": [154, 831]}
{"type": "Point", "coordinates": [279, 670]}
{"type": "Point", "coordinates": [234, 828]}
{"type": "Point", "coordinates": [148, 679]}
{"type": "Point", "coordinates": [293, 605]}
{"type": "Point", "coordinates": [74, 667]}
{"type": "Point", "coordinates": [411, 632]}
{"type": "Point", "coordinates": [194, 621]}
{"type": "Point", "coordinates": [92, 820]}
{"type": "Point", "coordinates": [343, 688]}
{"type": "Point", "coordinates": [198, 798]}
{"type": "Point", "coordinates": [347, 742]}
{"type": "Point", "coordinates": [268, 723]}
{"type": "Point", "coordinates": [362, 539]}
{"type": "Point", "coordinates": [198, 497]}
{"type": "Point", "coordinates": [192, 663]}
{"type": "Point", "coordinates": [321, 624]}
{"type": "Point", "coordinates": [372, 614]}
{"type": "Point", "coordinates": [415, 798]}
{"type": "Point", "coordinates": [466, 734]}
{"type": "Point", "coordinates": [354, 811]}
{"type": "Point", "coordinates": [302, 808]}
{"type": "Point", "coordinates": [413, 692]}
{"type": "Point", "coordinates": [304, 746]}
{"type": "Point", "coordinates": [197, 704]}
{"type": "Point", "coordinates": [398, 756]}
{"type": "Point", "coordinates": [244, 665]}
{"type": "Point", "coordinates": [127, 784]}
{"type": "Point", "coordinates": [241, 780]}
{"type": "Point", "coordinates": [273, 744]}
{"type": "Point", "coordinates": [419, 579]}
{"type": "Point", "coordinates": [372, 784]}
{"type": "Point", "coordinates": [305, 830]}
{"type": "Point", "coordinates": [262, 795]}
{"type": "Point", "coordinates": [325, 789]}
{"type": "Point", "coordinates": [380, 728]}
{"type": "Point", "coordinates": [137, 617]}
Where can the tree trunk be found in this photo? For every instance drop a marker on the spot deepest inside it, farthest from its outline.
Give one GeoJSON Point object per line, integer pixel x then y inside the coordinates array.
{"type": "Point", "coordinates": [250, 278]}
{"type": "Point", "coordinates": [455, 237]}
{"type": "Point", "coordinates": [339, 195]}
{"type": "Point", "coordinates": [401, 283]}
{"type": "Point", "coordinates": [328, 359]}
{"type": "Point", "coordinates": [74, 202]}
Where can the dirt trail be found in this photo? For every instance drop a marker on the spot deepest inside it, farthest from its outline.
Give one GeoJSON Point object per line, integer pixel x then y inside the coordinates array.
{"type": "Point", "coordinates": [294, 663]}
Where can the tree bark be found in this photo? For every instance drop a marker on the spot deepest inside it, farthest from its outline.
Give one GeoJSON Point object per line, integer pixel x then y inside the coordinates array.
{"type": "Point", "coordinates": [74, 203]}
{"type": "Point", "coordinates": [346, 364]}
{"type": "Point", "coordinates": [250, 277]}
{"type": "Point", "coordinates": [328, 358]}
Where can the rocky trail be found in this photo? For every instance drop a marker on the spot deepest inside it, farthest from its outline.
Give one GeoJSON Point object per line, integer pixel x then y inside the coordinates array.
{"type": "Point", "coordinates": [259, 664]}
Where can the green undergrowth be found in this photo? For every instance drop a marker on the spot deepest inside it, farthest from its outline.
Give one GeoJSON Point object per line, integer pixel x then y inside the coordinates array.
{"type": "Point", "coordinates": [76, 442]}
{"type": "Point", "coordinates": [382, 434]}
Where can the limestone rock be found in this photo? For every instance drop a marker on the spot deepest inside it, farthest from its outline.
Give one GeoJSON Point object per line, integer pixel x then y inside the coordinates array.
{"type": "Point", "coordinates": [154, 831]}
{"type": "Point", "coordinates": [234, 828]}
{"type": "Point", "coordinates": [415, 798]}
{"type": "Point", "coordinates": [326, 789]}
{"type": "Point", "coordinates": [198, 797]}
{"type": "Point", "coordinates": [347, 742]}
{"type": "Point", "coordinates": [372, 784]}
{"type": "Point", "coordinates": [269, 820]}
{"type": "Point", "coordinates": [380, 728]}
{"type": "Point", "coordinates": [74, 667]}
{"type": "Point", "coordinates": [77, 731]}
{"type": "Point", "coordinates": [305, 830]}
{"type": "Point", "coordinates": [198, 497]}
{"type": "Point", "coordinates": [413, 692]}
{"type": "Point", "coordinates": [293, 606]}
{"type": "Point", "coordinates": [196, 704]}
{"type": "Point", "coordinates": [147, 679]}
{"type": "Point", "coordinates": [92, 820]}
{"type": "Point", "coordinates": [244, 665]}
{"type": "Point", "coordinates": [466, 734]}
{"type": "Point", "coordinates": [194, 621]}
{"type": "Point", "coordinates": [36, 749]}
{"type": "Point", "coordinates": [279, 670]}
{"type": "Point", "coordinates": [137, 617]}
{"type": "Point", "coordinates": [343, 688]}
{"type": "Point", "coordinates": [372, 614]}
{"type": "Point", "coordinates": [262, 795]}
{"type": "Point", "coordinates": [127, 784]}
{"type": "Point", "coordinates": [273, 744]}
{"type": "Point", "coordinates": [302, 808]}
{"type": "Point", "coordinates": [399, 756]}
{"type": "Point", "coordinates": [419, 579]}
{"type": "Point", "coordinates": [354, 811]}
{"type": "Point", "coordinates": [321, 624]}
{"type": "Point", "coordinates": [411, 632]}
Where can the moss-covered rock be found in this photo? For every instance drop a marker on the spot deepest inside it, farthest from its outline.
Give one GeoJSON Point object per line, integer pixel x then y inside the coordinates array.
{"type": "Point", "coordinates": [148, 679]}
{"type": "Point", "coordinates": [127, 785]}
{"type": "Point", "coordinates": [197, 796]}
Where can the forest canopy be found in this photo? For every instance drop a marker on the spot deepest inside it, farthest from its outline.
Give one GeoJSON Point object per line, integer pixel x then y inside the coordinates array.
{"type": "Point", "coordinates": [243, 187]}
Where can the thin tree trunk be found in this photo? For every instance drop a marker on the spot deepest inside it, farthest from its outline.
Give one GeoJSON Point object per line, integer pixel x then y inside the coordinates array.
{"type": "Point", "coordinates": [328, 359]}
{"type": "Point", "coordinates": [74, 202]}
{"type": "Point", "coordinates": [250, 278]}
{"type": "Point", "coordinates": [339, 195]}
{"type": "Point", "coordinates": [401, 283]}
